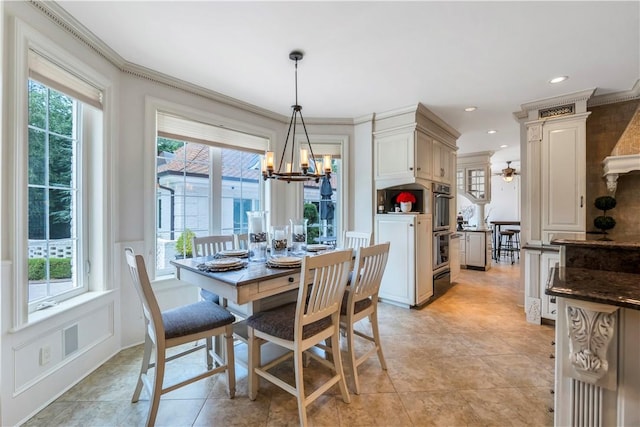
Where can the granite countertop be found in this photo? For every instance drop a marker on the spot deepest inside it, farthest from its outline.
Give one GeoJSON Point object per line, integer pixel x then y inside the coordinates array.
{"type": "Point", "coordinates": [604, 287]}
{"type": "Point", "coordinates": [596, 241]}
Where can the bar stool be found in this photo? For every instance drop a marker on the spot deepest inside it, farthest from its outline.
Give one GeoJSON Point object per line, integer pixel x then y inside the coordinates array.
{"type": "Point", "coordinates": [516, 240]}
{"type": "Point", "coordinates": [506, 244]}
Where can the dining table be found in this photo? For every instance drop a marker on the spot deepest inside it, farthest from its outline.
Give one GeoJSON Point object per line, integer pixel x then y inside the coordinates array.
{"type": "Point", "coordinates": [247, 290]}
{"type": "Point", "coordinates": [497, 226]}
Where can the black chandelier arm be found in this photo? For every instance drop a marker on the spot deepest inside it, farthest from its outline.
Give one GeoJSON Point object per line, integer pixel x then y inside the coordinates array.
{"type": "Point", "coordinates": [286, 141]}
{"type": "Point", "coordinates": [306, 134]}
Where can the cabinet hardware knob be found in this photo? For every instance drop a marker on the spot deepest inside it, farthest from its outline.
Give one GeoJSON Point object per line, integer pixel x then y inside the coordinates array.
{"type": "Point", "coordinates": [410, 169]}
{"type": "Point", "coordinates": [410, 225]}
{"type": "Point", "coordinates": [552, 356]}
{"type": "Point", "coordinates": [290, 279]}
{"type": "Point", "coordinates": [581, 201]}
{"type": "Point", "coordinates": [419, 169]}
{"type": "Point", "coordinates": [553, 342]}
{"type": "Point", "coordinates": [552, 391]}
{"type": "Point", "coordinates": [550, 410]}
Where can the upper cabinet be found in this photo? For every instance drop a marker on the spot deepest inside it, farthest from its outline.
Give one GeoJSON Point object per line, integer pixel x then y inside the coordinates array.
{"type": "Point", "coordinates": [412, 146]}
{"type": "Point", "coordinates": [402, 157]}
{"type": "Point", "coordinates": [442, 163]}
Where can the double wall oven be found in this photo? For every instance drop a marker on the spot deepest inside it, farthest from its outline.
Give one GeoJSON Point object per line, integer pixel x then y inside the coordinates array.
{"type": "Point", "coordinates": [442, 200]}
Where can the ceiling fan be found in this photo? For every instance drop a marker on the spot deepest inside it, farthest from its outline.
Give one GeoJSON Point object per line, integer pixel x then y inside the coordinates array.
{"type": "Point", "coordinates": [508, 173]}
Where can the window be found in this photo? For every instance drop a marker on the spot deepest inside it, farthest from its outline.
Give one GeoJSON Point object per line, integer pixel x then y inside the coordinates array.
{"type": "Point", "coordinates": [324, 205]}
{"type": "Point", "coordinates": [204, 185]}
{"type": "Point", "coordinates": [54, 194]}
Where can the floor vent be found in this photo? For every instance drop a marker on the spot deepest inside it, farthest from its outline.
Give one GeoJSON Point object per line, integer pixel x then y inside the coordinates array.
{"type": "Point", "coordinates": [70, 340]}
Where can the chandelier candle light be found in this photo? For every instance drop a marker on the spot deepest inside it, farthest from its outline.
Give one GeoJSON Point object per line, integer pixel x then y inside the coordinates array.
{"type": "Point", "coordinates": [406, 200]}
{"type": "Point", "coordinates": [307, 169]}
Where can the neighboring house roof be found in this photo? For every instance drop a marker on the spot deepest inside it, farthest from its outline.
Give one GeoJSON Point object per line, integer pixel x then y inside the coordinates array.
{"type": "Point", "coordinates": [197, 164]}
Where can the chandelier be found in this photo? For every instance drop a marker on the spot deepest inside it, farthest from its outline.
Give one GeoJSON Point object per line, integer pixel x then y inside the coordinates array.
{"type": "Point", "coordinates": [304, 167]}
{"type": "Point", "coordinates": [508, 173]}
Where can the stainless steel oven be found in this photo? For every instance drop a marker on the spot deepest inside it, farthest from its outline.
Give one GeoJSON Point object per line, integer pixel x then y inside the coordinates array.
{"type": "Point", "coordinates": [441, 249]}
{"type": "Point", "coordinates": [441, 206]}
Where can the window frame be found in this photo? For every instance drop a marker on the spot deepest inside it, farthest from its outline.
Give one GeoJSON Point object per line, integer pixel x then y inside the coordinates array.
{"type": "Point", "coordinates": [330, 144]}
{"type": "Point", "coordinates": [155, 106]}
{"type": "Point", "coordinates": [98, 137]}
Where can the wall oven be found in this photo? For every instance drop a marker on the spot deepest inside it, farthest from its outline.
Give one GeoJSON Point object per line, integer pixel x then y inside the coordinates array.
{"type": "Point", "coordinates": [441, 206]}
{"type": "Point", "coordinates": [441, 249]}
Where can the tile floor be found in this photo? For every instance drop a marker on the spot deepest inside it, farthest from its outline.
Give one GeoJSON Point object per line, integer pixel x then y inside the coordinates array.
{"type": "Point", "coordinates": [468, 359]}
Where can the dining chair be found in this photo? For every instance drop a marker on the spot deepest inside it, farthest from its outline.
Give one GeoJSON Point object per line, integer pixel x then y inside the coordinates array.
{"type": "Point", "coordinates": [360, 301]}
{"type": "Point", "coordinates": [355, 239]}
{"type": "Point", "coordinates": [241, 241]}
{"type": "Point", "coordinates": [175, 327]}
{"type": "Point", "coordinates": [302, 325]}
{"type": "Point", "coordinates": [211, 245]}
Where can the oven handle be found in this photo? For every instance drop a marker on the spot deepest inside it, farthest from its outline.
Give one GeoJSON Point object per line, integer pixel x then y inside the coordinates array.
{"type": "Point", "coordinates": [443, 196]}
{"type": "Point", "coordinates": [442, 233]}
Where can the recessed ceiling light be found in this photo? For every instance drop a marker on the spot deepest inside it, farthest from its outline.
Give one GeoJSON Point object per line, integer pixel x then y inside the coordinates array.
{"type": "Point", "coordinates": [558, 79]}
{"type": "Point", "coordinates": [492, 131]}
{"type": "Point", "coordinates": [504, 146]}
{"type": "Point", "coordinates": [470, 109]}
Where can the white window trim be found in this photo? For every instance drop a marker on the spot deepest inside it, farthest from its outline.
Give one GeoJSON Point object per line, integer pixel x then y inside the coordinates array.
{"type": "Point", "coordinates": [22, 38]}
{"type": "Point", "coordinates": [317, 140]}
{"type": "Point", "coordinates": [153, 106]}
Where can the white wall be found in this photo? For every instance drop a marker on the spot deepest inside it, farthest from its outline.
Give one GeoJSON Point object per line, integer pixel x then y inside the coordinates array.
{"type": "Point", "coordinates": [505, 201]}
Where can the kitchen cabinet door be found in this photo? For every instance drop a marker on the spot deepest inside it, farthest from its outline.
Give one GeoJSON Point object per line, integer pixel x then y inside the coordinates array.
{"type": "Point", "coordinates": [548, 260]}
{"type": "Point", "coordinates": [424, 153]}
{"type": "Point", "coordinates": [454, 253]}
{"type": "Point", "coordinates": [398, 282]}
{"type": "Point", "coordinates": [394, 157]}
{"type": "Point", "coordinates": [424, 248]}
{"type": "Point", "coordinates": [563, 176]}
{"type": "Point", "coordinates": [476, 249]}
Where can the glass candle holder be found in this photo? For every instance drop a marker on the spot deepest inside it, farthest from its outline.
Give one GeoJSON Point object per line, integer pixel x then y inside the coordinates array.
{"type": "Point", "coordinates": [279, 240]}
{"type": "Point", "coordinates": [257, 230]}
{"type": "Point", "coordinates": [298, 235]}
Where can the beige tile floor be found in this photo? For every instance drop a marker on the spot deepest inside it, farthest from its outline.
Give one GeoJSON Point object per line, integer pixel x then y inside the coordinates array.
{"type": "Point", "coordinates": [468, 359]}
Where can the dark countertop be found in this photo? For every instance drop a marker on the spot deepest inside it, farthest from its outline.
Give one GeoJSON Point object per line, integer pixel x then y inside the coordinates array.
{"type": "Point", "coordinates": [596, 241]}
{"type": "Point", "coordinates": [604, 287]}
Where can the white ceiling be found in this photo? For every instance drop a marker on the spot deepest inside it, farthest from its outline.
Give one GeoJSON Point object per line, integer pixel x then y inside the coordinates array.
{"type": "Point", "coordinates": [365, 57]}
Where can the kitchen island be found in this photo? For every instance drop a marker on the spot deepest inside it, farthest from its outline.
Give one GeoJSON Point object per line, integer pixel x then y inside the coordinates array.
{"type": "Point", "coordinates": [597, 287]}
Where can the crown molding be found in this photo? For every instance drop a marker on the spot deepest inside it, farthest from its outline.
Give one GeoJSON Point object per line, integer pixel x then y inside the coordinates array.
{"type": "Point", "coordinates": [68, 23]}
{"type": "Point", "coordinates": [615, 97]}
{"type": "Point", "coordinates": [556, 101]}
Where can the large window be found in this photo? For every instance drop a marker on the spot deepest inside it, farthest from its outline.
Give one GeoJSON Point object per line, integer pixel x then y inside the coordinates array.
{"type": "Point", "coordinates": [55, 197]}
{"type": "Point", "coordinates": [202, 188]}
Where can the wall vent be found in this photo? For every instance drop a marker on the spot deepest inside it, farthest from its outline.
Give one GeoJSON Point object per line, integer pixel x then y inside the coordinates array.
{"type": "Point", "coordinates": [561, 110]}
{"type": "Point", "coordinates": [70, 337]}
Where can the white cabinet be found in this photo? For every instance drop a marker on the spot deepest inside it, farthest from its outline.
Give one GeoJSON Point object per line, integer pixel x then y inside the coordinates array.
{"type": "Point", "coordinates": [476, 250]}
{"type": "Point", "coordinates": [563, 177]}
{"type": "Point", "coordinates": [442, 163]}
{"type": "Point", "coordinates": [548, 260]}
{"type": "Point", "coordinates": [454, 255]}
{"type": "Point", "coordinates": [402, 158]}
{"type": "Point", "coordinates": [408, 277]}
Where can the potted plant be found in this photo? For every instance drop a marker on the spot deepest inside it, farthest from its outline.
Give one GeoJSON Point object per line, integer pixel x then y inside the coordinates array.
{"type": "Point", "coordinates": [183, 244]}
{"type": "Point", "coordinates": [406, 201]}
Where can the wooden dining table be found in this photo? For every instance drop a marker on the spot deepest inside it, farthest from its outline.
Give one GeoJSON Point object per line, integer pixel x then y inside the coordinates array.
{"type": "Point", "coordinates": [247, 290]}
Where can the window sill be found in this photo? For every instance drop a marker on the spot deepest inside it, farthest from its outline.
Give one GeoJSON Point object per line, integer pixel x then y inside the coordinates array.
{"type": "Point", "coordinates": [40, 316]}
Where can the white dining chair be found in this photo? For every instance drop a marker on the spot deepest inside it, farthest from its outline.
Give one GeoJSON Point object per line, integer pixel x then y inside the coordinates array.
{"type": "Point", "coordinates": [241, 241]}
{"type": "Point", "coordinates": [175, 327]}
{"type": "Point", "coordinates": [300, 326]}
{"type": "Point", "coordinates": [361, 301]}
{"type": "Point", "coordinates": [355, 239]}
{"type": "Point", "coordinates": [211, 245]}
